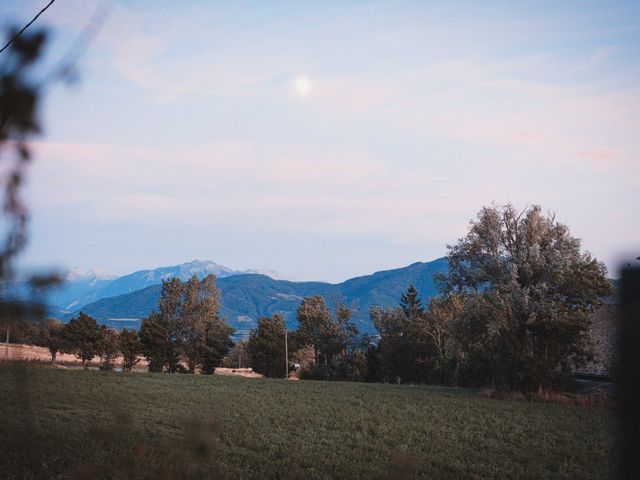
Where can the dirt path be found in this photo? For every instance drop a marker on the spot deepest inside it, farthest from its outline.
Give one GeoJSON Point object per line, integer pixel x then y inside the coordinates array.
{"type": "Point", "coordinates": [31, 353]}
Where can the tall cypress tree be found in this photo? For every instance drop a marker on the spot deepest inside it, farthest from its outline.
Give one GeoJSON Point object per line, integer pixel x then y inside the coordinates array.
{"type": "Point", "coordinates": [411, 304]}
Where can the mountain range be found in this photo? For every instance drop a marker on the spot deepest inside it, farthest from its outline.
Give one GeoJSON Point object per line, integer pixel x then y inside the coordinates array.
{"type": "Point", "coordinates": [246, 296]}
{"type": "Point", "coordinates": [81, 287]}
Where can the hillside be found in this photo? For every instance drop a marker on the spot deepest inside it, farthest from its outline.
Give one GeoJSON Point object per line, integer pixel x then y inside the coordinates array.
{"type": "Point", "coordinates": [245, 298]}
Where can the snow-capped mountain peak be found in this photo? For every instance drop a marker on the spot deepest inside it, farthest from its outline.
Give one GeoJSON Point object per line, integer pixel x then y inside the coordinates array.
{"type": "Point", "coordinates": [84, 286]}
{"type": "Point", "coordinates": [76, 274]}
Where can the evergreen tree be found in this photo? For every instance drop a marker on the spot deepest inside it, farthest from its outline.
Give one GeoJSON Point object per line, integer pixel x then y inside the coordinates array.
{"type": "Point", "coordinates": [411, 304]}
{"type": "Point", "coordinates": [156, 344]}
{"type": "Point", "coordinates": [266, 346]}
{"type": "Point", "coordinates": [405, 351]}
{"type": "Point", "coordinates": [217, 344]}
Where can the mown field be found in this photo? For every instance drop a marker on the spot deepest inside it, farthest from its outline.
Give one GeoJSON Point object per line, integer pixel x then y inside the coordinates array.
{"type": "Point", "coordinates": [76, 424]}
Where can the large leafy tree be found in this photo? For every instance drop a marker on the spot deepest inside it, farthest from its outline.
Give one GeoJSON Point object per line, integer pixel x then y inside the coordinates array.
{"type": "Point", "coordinates": [315, 324]}
{"type": "Point", "coordinates": [49, 335]}
{"type": "Point", "coordinates": [81, 336]}
{"type": "Point", "coordinates": [203, 337]}
{"type": "Point", "coordinates": [333, 338]}
{"type": "Point", "coordinates": [129, 345]}
{"type": "Point", "coordinates": [187, 326]}
{"type": "Point", "coordinates": [442, 313]}
{"type": "Point", "coordinates": [527, 289]}
{"type": "Point", "coordinates": [198, 307]}
{"type": "Point", "coordinates": [108, 346]}
{"type": "Point", "coordinates": [346, 351]}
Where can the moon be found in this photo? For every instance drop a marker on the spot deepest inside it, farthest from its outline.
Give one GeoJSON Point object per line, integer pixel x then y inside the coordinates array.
{"type": "Point", "coordinates": [302, 86]}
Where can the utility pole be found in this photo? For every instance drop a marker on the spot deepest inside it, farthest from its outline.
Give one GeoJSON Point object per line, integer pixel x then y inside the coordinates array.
{"type": "Point", "coordinates": [6, 348]}
{"type": "Point", "coordinates": [240, 354]}
{"type": "Point", "coordinates": [286, 353]}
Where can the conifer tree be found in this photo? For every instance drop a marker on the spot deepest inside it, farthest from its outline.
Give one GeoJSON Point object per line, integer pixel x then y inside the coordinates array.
{"type": "Point", "coordinates": [156, 344]}
{"type": "Point", "coordinates": [266, 347]}
{"type": "Point", "coordinates": [411, 304]}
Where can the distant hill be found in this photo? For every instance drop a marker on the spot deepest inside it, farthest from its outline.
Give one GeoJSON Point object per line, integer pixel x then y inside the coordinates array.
{"type": "Point", "coordinates": [245, 298]}
{"type": "Point", "coordinates": [82, 287]}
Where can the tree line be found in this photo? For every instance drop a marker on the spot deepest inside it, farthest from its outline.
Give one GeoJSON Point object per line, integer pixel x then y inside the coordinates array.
{"type": "Point", "coordinates": [185, 335]}
{"type": "Point", "coordinates": [513, 312]}
{"type": "Point", "coordinates": [83, 337]}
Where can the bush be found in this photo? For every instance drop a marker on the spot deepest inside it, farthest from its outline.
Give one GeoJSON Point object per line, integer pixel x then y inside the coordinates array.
{"type": "Point", "coordinates": [316, 372]}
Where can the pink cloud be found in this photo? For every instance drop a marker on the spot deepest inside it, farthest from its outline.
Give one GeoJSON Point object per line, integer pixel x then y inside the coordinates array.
{"type": "Point", "coordinates": [599, 155]}
{"type": "Point", "coordinates": [602, 158]}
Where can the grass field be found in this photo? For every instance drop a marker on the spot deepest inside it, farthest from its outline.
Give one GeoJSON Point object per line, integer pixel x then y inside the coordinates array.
{"type": "Point", "coordinates": [76, 424]}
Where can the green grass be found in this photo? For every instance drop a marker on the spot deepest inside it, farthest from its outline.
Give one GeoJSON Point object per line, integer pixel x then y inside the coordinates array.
{"type": "Point", "coordinates": [76, 424]}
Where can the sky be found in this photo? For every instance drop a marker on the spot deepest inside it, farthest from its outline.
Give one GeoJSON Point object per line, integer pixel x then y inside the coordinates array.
{"type": "Point", "coordinates": [326, 140]}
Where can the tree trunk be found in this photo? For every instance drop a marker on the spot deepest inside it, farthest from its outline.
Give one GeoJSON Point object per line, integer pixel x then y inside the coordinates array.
{"type": "Point", "coordinates": [54, 353]}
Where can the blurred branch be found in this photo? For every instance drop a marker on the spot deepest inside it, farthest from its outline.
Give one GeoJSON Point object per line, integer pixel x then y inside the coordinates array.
{"type": "Point", "coordinates": [26, 26]}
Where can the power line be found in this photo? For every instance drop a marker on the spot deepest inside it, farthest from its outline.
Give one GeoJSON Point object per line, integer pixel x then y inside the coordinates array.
{"type": "Point", "coordinates": [26, 26]}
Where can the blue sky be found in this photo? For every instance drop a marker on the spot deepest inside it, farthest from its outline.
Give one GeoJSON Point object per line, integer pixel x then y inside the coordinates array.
{"type": "Point", "coordinates": [186, 137]}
